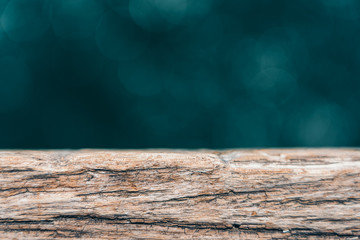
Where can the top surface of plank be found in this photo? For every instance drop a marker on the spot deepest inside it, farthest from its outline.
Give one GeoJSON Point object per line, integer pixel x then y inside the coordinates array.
{"type": "Point", "coordinates": [167, 194]}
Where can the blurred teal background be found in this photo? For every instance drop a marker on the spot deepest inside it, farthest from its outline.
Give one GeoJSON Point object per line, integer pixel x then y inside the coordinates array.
{"type": "Point", "coordinates": [179, 73]}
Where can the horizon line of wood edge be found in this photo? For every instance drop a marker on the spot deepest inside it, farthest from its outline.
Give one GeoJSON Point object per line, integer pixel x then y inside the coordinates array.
{"type": "Point", "coordinates": [180, 194]}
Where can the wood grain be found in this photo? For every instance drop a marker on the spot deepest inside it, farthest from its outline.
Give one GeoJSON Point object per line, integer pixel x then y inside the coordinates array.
{"type": "Point", "coordinates": [176, 194]}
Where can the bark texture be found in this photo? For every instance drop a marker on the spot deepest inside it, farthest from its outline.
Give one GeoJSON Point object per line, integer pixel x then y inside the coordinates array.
{"type": "Point", "coordinates": [169, 194]}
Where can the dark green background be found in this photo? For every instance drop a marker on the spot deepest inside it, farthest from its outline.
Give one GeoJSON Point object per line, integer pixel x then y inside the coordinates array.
{"type": "Point", "coordinates": [179, 73]}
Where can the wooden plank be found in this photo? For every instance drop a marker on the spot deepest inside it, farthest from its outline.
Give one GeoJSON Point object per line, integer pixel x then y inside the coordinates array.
{"type": "Point", "coordinates": [169, 194]}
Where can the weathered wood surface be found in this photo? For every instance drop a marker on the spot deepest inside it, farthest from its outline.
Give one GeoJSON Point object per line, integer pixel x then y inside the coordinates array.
{"type": "Point", "coordinates": [164, 194]}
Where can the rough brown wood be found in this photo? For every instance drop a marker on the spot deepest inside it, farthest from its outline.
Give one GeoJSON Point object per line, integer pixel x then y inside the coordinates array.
{"type": "Point", "coordinates": [166, 194]}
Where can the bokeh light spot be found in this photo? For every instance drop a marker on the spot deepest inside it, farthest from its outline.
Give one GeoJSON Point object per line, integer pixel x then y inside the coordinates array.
{"type": "Point", "coordinates": [25, 20]}
{"type": "Point", "coordinates": [14, 82]}
{"type": "Point", "coordinates": [157, 15]}
{"type": "Point", "coordinates": [141, 79]}
{"type": "Point", "coordinates": [75, 19]}
{"type": "Point", "coordinates": [346, 9]}
{"type": "Point", "coordinates": [118, 39]}
{"type": "Point", "coordinates": [200, 39]}
{"type": "Point", "coordinates": [325, 125]}
{"type": "Point", "coordinates": [271, 86]}
{"type": "Point", "coordinates": [199, 8]}
{"type": "Point", "coordinates": [121, 7]}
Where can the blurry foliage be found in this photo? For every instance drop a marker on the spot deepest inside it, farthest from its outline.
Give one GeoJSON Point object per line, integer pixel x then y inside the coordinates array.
{"type": "Point", "coordinates": [179, 73]}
